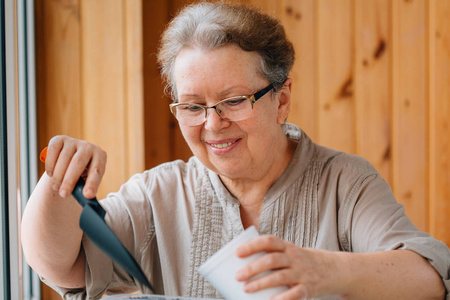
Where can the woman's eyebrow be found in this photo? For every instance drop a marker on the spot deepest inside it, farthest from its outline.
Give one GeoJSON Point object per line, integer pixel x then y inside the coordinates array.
{"type": "Point", "coordinates": [235, 90]}
{"type": "Point", "coordinates": [231, 91]}
{"type": "Point", "coordinates": [189, 97]}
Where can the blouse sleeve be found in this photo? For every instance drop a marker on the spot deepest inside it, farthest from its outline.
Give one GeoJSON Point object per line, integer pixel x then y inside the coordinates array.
{"type": "Point", "coordinates": [374, 221]}
{"type": "Point", "coordinates": [129, 215]}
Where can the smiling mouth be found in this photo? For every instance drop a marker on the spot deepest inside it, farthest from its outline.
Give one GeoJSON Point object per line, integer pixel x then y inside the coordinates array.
{"type": "Point", "coordinates": [223, 145]}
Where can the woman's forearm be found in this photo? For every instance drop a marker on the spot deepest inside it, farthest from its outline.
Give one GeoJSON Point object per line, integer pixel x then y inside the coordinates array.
{"type": "Point", "coordinates": [310, 273]}
{"type": "Point", "coordinates": [399, 274]}
{"type": "Point", "coordinates": [51, 236]}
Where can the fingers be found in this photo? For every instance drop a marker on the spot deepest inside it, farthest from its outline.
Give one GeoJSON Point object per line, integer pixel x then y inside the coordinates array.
{"type": "Point", "coordinates": [267, 243]}
{"type": "Point", "coordinates": [78, 160]}
{"type": "Point", "coordinates": [275, 258]}
{"type": "Point", "coordinates": [297, 292]}
{"type": "Point", "coordinates": [54, 148]}
{"type": "Point", "coordinates": [267, 262]}
{"type": "Point", "coordinates": [283, 277]}
{"type": "Point", "coordinates": [68, 158]}
{"type": "Point", "coordinates": [279, 266]}
{"type": "Point", "coordinates": [95, 174]}
{"type": "Point", "coordinates": [60, 180]}
{"type": "Point", "coordinates": [275, 270]}
{"type": "Point", "coordinates": [307, 272]}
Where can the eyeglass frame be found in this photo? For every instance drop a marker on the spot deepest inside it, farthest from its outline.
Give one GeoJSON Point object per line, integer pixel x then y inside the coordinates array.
{"type": "Point", "coordinates": [253, 98]}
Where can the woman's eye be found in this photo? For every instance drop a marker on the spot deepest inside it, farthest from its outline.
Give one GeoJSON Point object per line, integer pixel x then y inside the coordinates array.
{"type": "Point", "coordinates": [193, 108]}
{"type": "Point", "coordinates": [235, 102]}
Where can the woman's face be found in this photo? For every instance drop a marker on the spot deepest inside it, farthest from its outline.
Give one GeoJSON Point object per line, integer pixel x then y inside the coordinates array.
{"type": "Point", "coordinates": [240, 149]}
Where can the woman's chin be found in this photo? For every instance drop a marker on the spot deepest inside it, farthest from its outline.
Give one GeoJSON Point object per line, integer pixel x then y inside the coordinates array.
{"type": "Point", "coordinates": [234, 173]}
{"type": "Point", "coordinates": [229, 170]}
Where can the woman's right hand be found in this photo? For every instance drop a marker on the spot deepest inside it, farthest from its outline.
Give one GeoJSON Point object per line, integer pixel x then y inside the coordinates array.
{"type": "Point", "coordinates": [68, 159]}
{"type": "Point", "coordinates": [51, 237]}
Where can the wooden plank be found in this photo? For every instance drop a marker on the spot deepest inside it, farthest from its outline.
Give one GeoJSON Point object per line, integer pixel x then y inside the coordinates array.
{"type": "Point", "coordinates": [103, 75]}
{"type": "Point", "coordinates": [271, 7]}
{"type": "Point", "coordinates": [176, 5]}
{"type": "Point", "coordinates": [335, 77]}
{"type": "Point", "coordinates": [372, 83]}
{"type": "Point", "coordinates": [158, 121]}
{"type": "Point", "coordinates": [58, 69]}
{"type": "Point", "coordinates": [134, 94]}
{"type": "Point", "coordinates": [299, 21]}
{"type": "Point", "coordinates": [410, 71]}
{"type": "Point", "coordinates": [439, 80]}
{"type": "Point", "coordinates": [58, 80]}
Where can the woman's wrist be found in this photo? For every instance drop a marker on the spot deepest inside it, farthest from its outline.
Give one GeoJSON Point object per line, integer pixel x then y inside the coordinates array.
{"type": "Point", "coordinates": [344, 273]}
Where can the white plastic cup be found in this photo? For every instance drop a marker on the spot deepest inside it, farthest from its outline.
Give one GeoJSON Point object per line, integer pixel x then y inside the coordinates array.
{"type": "Point", "coordinates": [220, 270]}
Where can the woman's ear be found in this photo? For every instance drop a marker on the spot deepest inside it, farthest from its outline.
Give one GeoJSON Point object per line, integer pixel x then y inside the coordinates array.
{"type": "Point", "coordinates": [284, 101]}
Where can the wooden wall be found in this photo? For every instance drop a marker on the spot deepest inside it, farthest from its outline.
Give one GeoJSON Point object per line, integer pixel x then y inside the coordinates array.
{"type": "Point", "coordinates": [89, 79]}
{"type": "Point", "coordinates": [371, 77]}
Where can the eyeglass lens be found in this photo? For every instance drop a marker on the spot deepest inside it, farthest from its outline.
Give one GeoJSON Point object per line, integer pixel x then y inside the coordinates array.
{"type": "Point", "coordinates": [230, 110]}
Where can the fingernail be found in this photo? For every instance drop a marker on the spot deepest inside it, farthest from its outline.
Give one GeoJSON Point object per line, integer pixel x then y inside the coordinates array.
{"type": "Point", "coordinates": [63, 193]}
{"type": "Point", "coordinates": [248, 288]}
{"type": "Point", "coordinates": [90, 193]}
{"type": "Point", "coordinates": [49, 173]}
{"type": "Point", "coordinates": [239, 275]}
{"type": "Point", "coordinates": [55, 187]}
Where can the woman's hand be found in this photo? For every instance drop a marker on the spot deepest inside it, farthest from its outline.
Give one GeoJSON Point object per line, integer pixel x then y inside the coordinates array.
{"type": "Point", "coordinates": [51, 237]}
{"type": "Point", "coordinates": [68, 159]}
{"type": "Point", "coordinates": [307, 272]}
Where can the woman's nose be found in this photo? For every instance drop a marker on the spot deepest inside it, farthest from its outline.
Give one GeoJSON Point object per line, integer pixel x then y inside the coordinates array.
{"type": "Point", "coordinates": [214, 122]}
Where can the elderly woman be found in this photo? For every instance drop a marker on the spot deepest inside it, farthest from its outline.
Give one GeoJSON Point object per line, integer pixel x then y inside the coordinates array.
{"type": "Point", "coordinates": [330, 225]}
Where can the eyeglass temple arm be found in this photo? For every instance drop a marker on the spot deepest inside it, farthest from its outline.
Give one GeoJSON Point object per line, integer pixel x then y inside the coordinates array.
{"type": "Point", "coordinates": [262, 92]}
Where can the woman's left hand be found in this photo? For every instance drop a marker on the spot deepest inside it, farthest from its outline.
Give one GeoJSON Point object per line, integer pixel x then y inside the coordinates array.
{"type": "Point", "coordinates": [307, 272]}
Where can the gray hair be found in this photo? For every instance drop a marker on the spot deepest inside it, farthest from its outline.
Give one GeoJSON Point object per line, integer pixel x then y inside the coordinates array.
{"type": "Point", "coordinates": [211, 25]}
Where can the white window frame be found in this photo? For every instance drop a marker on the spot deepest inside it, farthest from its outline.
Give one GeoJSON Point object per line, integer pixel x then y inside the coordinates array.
{"type": "Point", "coordinates": [19, 146]}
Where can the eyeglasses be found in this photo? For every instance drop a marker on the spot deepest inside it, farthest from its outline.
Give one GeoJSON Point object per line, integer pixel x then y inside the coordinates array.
{"type": "Point", "coordinates": [231, 109]}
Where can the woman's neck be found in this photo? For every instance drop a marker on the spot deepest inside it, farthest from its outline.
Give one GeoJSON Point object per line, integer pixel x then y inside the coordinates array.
{"type": "Point", "coordinates": [251, 191]}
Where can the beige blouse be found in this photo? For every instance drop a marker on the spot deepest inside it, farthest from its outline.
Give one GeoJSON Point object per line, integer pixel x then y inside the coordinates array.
{"type": "Point", "coordinates": [174, 216]}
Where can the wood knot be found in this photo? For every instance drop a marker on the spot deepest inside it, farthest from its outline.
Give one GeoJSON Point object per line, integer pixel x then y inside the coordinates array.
{"type": "Point", "coordinates": [408, 195]}
{"type": "Point", "coordinates": [387, 153]}
{"type": "Point", "coordinates": [347, 88]}
{"type": "Point", "coordinates": [290, 12]}
{"type": "Point", "coordinates": [380, 49]}
{"type": "Point", "coordinates": [173, 123]}
{"type": "Point", "coordinates": [407, 102]}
